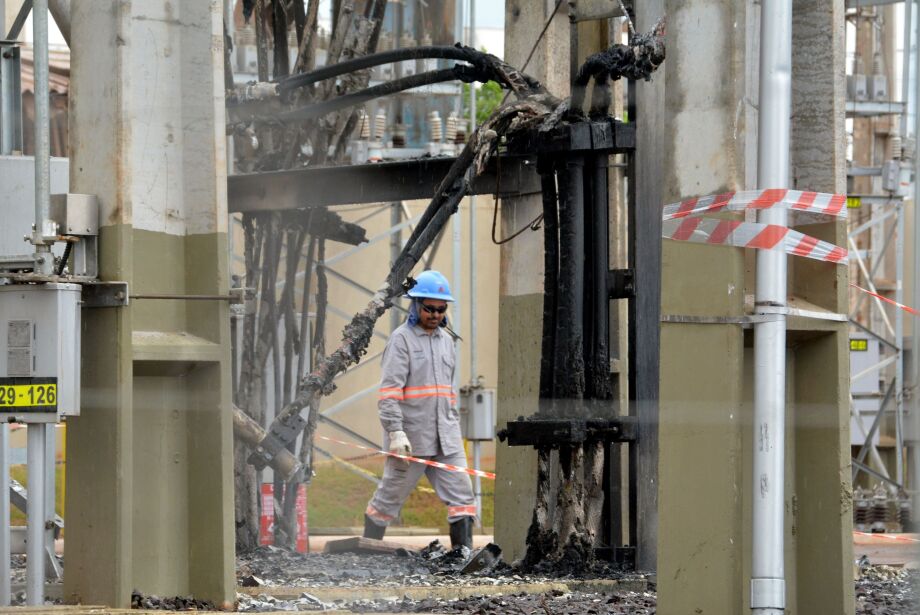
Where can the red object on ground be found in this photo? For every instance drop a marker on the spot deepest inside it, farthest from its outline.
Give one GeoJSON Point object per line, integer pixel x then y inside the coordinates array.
{"type": "Point", "coordinates": [267, 518]}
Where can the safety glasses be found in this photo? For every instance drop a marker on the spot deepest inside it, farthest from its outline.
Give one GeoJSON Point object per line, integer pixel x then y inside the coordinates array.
{"type": "Point", "coordinates": [434, 310]}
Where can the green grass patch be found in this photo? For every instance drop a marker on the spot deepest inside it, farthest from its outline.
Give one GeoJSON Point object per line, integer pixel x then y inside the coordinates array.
{"type": "Point", "coordinates": [20, 473]}
{"type": "Point", "coordinates": [337, 497]}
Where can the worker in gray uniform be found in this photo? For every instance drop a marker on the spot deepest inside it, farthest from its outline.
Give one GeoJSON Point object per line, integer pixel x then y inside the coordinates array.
{"type": "Point", "coordinates": [418, 410]}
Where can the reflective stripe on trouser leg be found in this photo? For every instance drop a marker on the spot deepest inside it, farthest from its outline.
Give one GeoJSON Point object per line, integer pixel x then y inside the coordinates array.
{"type": "Point", "coordinates": [454, 488]}
{"type": "Point", "coordinates": [397, 483]}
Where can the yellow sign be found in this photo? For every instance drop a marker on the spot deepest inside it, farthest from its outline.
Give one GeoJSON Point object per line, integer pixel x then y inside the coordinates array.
{"type": "Point", "coordinates": [43, 396]}
{"type": "Point", "coordinates": [854, 202]}
{"type": "Point", "coordinates": [859, 345]}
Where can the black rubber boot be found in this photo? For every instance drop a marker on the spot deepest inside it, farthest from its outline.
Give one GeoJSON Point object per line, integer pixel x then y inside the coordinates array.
{"type": "Point", "coordinates": [372, 530]}
{"type": "Point", "coordinates": [461, 533]}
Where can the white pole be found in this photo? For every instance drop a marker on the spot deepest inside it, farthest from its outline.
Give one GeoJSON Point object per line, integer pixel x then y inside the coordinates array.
{"type": "Point", "coordinates": [44, 262]}
{"type": "Point", "coordinates": [477, 445]}
{"type": "Point", "coordinates": [35, 516]}
{"type": "Point", "coordinates": [768, 585]}
{"type": "Point", "coordinates": [915, 335]}
{"type": "Point", "coordinates": [5, 579]}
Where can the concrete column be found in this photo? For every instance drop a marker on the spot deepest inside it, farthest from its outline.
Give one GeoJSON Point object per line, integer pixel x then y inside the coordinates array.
{"type": "Point", "coordinates": [707, 370]}
{"type": "Point", "coordinates": [707, 125]}
{"type": "Point", "coordinates": [149, 499]}
{"type": "Point", "coordinates": [521, 283]}
{"type": "Point", "coordinates": [821, 488]}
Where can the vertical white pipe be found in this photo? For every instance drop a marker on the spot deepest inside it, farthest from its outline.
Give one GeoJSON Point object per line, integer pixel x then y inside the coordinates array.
{"type": "Point", "coordinates": [5, 580]}
{"type": "Point", "coordinates": [899, 340]}
{"type": "Point", "coordinates": [768, 591]}
{"type": "Point", "coordinates": [395, 249]}
{"type": "Point", "coordinates": [43, 227]}
{"type": "Point", "coordinates": [50, 450]}
{"type": "Point", "coordinates": [35, 516]}
{"type": "Point", "coordinates": [473, 324]}
{"type": "Point", "coordinates": [477, 445]}
{"type": "Point", "coordinates": [915, 334]}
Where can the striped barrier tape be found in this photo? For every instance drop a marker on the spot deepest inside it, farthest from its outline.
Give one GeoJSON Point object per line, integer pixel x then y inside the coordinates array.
{"type": "Point", "coordinates": [906, 308]}
{"type": "Point", "coordinates": [795, 200]}
{"type": "Point", "coordinates": [898, 538]}
{"type": "Point", "coordinates": [427, 462]}
{"type": "Point", "coordinates": [714, 231]}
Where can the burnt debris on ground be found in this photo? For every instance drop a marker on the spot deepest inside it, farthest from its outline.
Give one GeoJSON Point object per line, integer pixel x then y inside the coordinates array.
{"type": "Point", "coordinates": [887, 590]}
{"type": "Point", "coordinates": [434, 565]}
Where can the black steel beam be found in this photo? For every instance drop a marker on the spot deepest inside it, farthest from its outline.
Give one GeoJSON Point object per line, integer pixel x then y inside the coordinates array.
{"type": "Point", "coordinates": [402, 180]}
{"type": "Point", "coordinates": [647, 112]}
{"type": "Point", "coordinates": [545, 432]}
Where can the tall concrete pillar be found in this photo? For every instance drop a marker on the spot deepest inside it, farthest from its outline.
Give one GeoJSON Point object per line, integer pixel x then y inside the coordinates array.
{"type": "Point", "coordinates": [707, 369]}
{"type": "Point", "coordinates": [521, 284]}
{"type": "Point", "coordinates": [149, 494]}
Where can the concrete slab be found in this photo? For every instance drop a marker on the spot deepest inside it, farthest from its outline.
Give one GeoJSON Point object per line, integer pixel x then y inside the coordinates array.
{"type": "Point", "coordinates": [888, 549]}
{"type": "Point", "coordinates": [452, 592]}
{"type": "Point", "coordinates": [318, 543]}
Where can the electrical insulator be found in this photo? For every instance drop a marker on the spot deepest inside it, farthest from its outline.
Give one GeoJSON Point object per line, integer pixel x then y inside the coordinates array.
{"type": "Point", "coordinates": [451, 127]}
{"type": "Point", "coordinates": [894, 144]}
{"type": "Point", "coordinates": [380, 125]}
{"type": "Point", "coordinates": [365, 124]}
{"type": "Point", "coordinates": [437, 129]}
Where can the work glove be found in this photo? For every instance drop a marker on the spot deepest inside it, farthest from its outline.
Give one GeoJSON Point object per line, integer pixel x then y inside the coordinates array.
{"type": "Point", "coordinates": [399, 444]}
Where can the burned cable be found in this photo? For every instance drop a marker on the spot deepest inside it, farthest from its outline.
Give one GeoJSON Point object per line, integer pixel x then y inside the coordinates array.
{"type": "Point", "coordinates": [443, 52]}
{"type": "Point", "coordinates": [636, 61]}
{"type": "Point", "coordinates": [460, 72]}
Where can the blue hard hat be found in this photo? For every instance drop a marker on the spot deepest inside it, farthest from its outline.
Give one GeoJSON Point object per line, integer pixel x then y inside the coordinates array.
{"type": "Point", "coordinates": [431, 285]}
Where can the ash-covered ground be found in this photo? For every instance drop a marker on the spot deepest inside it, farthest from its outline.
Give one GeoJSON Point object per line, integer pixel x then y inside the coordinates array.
{"type": "Point", "coordinates": [880, 590]}
{"type": "Point", "coordinates": [432, 566]}
{"type": "Point", "coordinates": [887, 590]}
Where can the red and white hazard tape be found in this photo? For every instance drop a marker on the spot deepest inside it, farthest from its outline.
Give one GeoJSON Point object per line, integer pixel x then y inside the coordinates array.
{"type": "Point", "coordinates": [893, 537]}
{"type": "Point", "coordinates": [427, 462]}
{"type": "Point", "coordinates": [795, 200]}
{"type": "Point", "coordinates": [713, 231]}
{"type": "Point", "coordinates": [906, 308]}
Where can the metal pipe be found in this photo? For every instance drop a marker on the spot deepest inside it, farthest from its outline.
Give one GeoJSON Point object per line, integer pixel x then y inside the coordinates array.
{"type": "Point", "coordinates": [899, 339]}
{"type": "Point", "coordinates": [768, 584]}
{"type": "Point", "coordinates": [60, 11]}
{"type": "Point", "coordinates": [599, 387]}
{"type": "Point", "coordinates": [43, 226]}
{"type": "Point", "coordinates": [915, 335]}
{"type": "Point", "coordinates": [550, 280]}
{"type": "Point", "coordinates": [35, 516]}
{"type": "Point", "coordinates": [50, 454]}
{"type": "Point", "coordinates": [569, 374]}
{"type": "Point", "coordinates": [474, 367]}
{"type": "Point", "coordinates": [5, 515]}
{"type": "Point", "coordinates": [395, 249]}
{"type": "Point", "coordinates": [905, 68]}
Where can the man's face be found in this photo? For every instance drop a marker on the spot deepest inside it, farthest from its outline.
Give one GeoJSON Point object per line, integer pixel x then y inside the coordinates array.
{"type": "Point", "coordinates": [431, 313]}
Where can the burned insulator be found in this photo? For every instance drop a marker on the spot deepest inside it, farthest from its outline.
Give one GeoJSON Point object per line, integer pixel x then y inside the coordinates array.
{"type": "Point", "coordinates": [862, 508]}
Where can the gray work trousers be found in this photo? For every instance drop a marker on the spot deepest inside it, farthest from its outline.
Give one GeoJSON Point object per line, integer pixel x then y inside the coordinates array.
{"type": "Point", "coordinates": [399, 479]}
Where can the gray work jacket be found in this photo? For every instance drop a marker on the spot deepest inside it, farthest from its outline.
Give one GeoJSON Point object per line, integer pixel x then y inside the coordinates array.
{"type": "Point", "coordinates": [416, 390]}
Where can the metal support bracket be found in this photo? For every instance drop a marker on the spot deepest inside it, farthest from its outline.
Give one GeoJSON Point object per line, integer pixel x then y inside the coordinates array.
{"type": "Point", "coordinates": [552, 433]}
{"type": "Point", "coordinates": [105, 294]}
{"type": "Point", "coordinates": [621, 283]}
{"type": "Point", "coordinates": [281, 433]}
